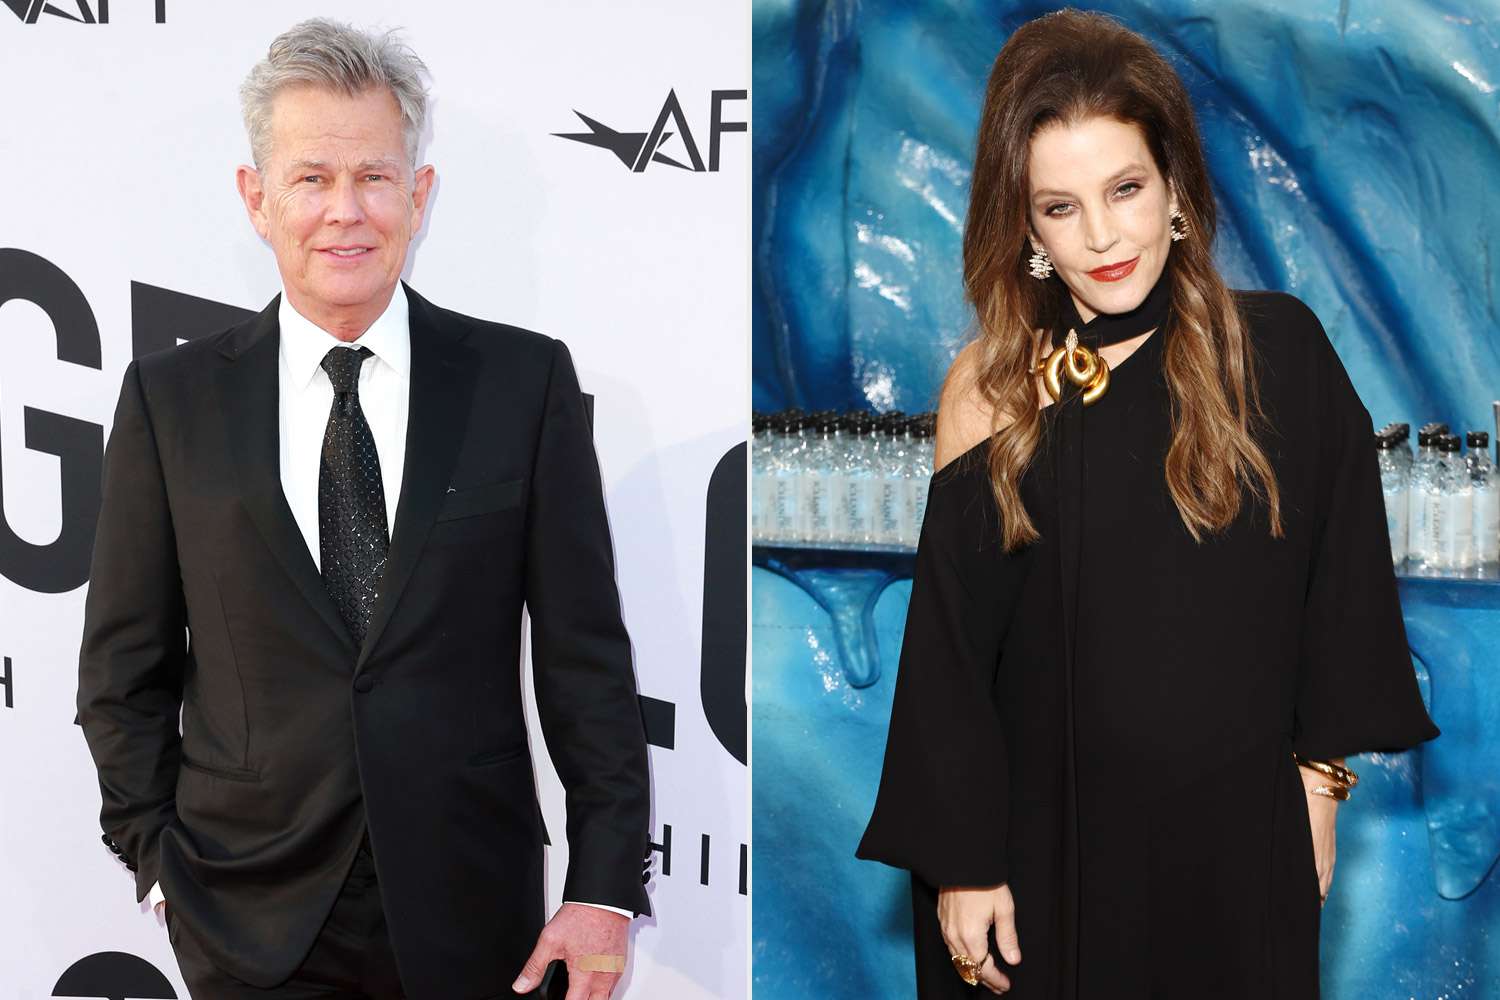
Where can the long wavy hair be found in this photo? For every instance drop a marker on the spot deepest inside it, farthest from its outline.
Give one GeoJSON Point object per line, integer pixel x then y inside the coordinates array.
{"type": "Point", "coordinates": [1065, 68]}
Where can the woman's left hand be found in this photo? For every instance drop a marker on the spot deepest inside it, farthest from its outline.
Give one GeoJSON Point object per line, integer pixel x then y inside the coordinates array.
{"type": "Point", "coordinates": [1322, 812]}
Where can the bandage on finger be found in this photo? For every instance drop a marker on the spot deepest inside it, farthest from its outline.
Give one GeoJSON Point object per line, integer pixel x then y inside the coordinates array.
{"type": "Point", "coordinates": [600, 963]}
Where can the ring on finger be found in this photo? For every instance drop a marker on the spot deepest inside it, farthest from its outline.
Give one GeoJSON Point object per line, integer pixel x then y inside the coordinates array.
{"type": "Point", "coordinates": [968, 969]}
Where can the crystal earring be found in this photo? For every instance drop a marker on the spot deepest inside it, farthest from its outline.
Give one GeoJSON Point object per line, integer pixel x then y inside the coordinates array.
{"type": "Point", "coordinates": [1179, 234]}
{"type": "Point", "coordinates": [1041, 264]}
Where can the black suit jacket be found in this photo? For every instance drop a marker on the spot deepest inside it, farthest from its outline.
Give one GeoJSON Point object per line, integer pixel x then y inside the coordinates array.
{"type": "Point", "coordinates": [204, 598]}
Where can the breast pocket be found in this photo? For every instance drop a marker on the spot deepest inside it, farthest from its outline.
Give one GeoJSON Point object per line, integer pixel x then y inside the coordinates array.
{"type": "Point", "coordinates": [479, 512]}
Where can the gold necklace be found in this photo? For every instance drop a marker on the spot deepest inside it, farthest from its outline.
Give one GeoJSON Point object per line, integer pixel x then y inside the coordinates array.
{"type": "Point", "coordinates": [1084, 368]}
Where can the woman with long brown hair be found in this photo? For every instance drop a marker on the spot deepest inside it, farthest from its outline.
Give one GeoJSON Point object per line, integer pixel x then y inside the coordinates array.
{"type": "Point", "coordinates": [1154, 607]}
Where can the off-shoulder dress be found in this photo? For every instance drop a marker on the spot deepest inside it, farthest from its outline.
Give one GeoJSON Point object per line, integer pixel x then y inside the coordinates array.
{"type": "Point", "coordinates": [1105, 719]}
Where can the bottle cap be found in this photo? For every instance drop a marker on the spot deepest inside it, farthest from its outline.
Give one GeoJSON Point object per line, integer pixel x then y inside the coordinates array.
{"type": "Point", "coordinates": [1478, 439]}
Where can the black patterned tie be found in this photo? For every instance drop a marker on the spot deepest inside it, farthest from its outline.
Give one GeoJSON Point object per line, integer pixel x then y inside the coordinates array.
{"type": "Point", "coordinates": [352, 535]}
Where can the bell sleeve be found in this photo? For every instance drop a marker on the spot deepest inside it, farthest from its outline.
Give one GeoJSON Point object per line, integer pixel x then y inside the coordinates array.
{"type": "Point", "coordinates": [1356, 688]}
{"type": "Point", "coordinates": [941, 809]}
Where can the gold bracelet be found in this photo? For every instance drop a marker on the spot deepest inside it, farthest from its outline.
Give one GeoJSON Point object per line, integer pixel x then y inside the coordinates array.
{"type": "Point", "coordinates": [1340, 792]}
{"type": "Point", "coordinates": [1337, 772]}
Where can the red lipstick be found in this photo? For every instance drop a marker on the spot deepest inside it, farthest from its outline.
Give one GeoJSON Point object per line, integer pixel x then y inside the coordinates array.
{"type": "Point", "coordinates": [1114, 272]}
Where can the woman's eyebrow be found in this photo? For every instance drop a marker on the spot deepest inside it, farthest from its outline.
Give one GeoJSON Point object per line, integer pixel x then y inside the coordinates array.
{"type": "Point", "coordinates": [1129, 168]}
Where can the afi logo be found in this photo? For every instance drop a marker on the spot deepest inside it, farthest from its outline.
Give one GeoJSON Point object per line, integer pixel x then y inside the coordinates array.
{"type": "Point", "coordinates": [74, 10]}
{"type": "Point", "coordinates": [637, 149]}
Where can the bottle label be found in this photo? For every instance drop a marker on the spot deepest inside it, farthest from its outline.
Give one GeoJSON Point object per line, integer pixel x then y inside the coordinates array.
{"type": "Point", "coordinates": [891, 508]}
{"type": "Point", "coordinates": [761, 498]}
{"type": "Point", "coordinates": [818, 508]}
{"type": "Point", "coordinates": [1396, 522]}
{"type": "Point", "coordinates": [916, 509]}
{"type": "Point", "coordinates": [859, 509]}
{"type": "Point", "coordinates": [784, 519]}
{"type": "Point", "coordinates": [1416, 533]}
{"type": "Point", "coordinates": [1458, 531]}
{"type": "Point", "coordinates": [1433, 516]}
{"type": "Point", "coordinates": [1487, 525]}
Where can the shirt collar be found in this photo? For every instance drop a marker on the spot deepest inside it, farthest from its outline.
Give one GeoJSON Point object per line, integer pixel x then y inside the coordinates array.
{"type": "Point", "coordinates": [304, 343]}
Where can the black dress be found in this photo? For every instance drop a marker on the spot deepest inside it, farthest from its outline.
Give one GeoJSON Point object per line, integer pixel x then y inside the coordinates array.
{"type": "Point", "coordinates": [1131, 777]}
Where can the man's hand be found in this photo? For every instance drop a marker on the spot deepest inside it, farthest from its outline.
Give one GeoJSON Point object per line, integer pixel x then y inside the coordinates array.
{"type": "Point", "coordinates": [591, 942]}
{"type": "Point", "coordinates": [1322, 813]}
{"type": "Point", "coordinates": [966, 915]}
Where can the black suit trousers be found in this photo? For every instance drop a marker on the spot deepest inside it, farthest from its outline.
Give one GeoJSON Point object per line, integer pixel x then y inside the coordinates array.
{"type": "Point", "coordinates": [351, 958]}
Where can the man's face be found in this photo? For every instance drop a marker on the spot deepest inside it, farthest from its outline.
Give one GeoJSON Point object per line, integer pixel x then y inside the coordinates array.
{"type": "Point", "coordinates": [336, 199]}
{"type": "Point", "coordinates": [1098, 199]}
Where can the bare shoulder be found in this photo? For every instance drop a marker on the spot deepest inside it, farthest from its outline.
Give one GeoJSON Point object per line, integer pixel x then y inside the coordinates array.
{"type": "Point", "coordinates": [964, 417]}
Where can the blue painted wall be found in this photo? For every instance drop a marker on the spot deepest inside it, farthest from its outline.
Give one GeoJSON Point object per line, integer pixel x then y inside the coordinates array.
{"type": "Point", "coordinates": [1354, 150]}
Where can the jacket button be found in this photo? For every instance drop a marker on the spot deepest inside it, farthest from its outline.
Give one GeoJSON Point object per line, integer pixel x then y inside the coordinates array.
{"type": "Point", "coordinates": [363, 683]}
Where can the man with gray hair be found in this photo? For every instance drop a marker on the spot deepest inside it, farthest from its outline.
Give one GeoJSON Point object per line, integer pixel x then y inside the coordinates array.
{"type": "Point", "coordinates": [317, 533]}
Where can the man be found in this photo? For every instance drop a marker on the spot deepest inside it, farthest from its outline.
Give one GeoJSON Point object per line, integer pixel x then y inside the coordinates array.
{"type": "Point", "coordinates": [318, 528]}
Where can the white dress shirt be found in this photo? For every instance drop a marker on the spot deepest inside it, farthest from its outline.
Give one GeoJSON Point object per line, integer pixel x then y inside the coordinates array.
{"type": "Point", "coordinates": [306, 397]}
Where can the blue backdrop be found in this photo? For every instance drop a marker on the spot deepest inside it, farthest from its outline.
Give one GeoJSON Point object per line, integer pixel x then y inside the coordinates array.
{"type": "Point", "coordinates": [1354, 151]}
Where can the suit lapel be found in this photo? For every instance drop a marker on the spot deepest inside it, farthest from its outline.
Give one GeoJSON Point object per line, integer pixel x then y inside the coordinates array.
{"type": "Point", "coordinates": [249, 393]}
{"type": "Point", "coordinates": [442, 385]}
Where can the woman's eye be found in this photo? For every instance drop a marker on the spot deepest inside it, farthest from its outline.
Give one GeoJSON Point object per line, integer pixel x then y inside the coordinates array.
{"type": "Point", "coordinates": [1051, 210]}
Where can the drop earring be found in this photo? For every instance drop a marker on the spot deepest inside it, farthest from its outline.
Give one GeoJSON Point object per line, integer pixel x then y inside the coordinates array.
{"type": "Point", "coordinates": [1179, 234]}
{"type": "Point", "coordinates": [1041, 264]}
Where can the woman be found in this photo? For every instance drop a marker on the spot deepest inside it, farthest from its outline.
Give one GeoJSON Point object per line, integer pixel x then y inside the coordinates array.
{"type": "Point", "coordinates": [1150, 573]}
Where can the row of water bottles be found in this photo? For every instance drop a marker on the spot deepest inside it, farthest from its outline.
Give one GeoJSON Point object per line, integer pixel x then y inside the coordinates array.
{"type": "Point", "coordinates": [1442, 506]}
{"type": "Point", "coordinates": [856, 479]}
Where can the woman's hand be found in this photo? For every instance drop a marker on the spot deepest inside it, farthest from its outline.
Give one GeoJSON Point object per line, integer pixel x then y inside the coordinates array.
{"type": "Point", "coordinates": [1322, 813]}
{"type": "Point", "coordinates": [966, 915]}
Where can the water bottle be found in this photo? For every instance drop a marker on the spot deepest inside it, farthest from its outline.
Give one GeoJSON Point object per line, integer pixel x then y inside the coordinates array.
{"type": "Point", "coordinates": [890, 465]}
{"type": "Point", "coordinates": [761, 485]}
{"type": "Point", "coordinates": [1420, 504]}
{"type": "Point", "coordinates": [1457, 528]}
{"type": "Point", "coordinates": [822, 475]}
{"type": "Point", "coordinates": [918, 476]}
{"type": "Point", "coordinates": [786, 476]}
{"type": "Point", "coordinates": [1394, 484]}
{"type": "Point", "coordinates": [1486, 487]}
{"type": "Point", "coordinates": [858, 516]}
{"type": "Point", "coordinates": [1401, 450]}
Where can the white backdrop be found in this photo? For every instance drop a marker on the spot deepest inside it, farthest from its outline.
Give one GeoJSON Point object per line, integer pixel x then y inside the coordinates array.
{"type": "Point", "coordinates": [118, 145]}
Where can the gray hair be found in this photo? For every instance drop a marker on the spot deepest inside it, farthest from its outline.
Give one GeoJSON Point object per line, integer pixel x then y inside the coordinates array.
{"type": "Point", "coordinates": [338, 57]}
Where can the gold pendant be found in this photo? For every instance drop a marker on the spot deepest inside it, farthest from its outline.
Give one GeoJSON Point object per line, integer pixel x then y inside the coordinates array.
{"type": "Point", "coordinates": [1083, 366]}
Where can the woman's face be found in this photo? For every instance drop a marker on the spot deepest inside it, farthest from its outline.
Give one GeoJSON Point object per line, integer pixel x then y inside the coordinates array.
{"type": "Point", "coordinates": [1097, 200]}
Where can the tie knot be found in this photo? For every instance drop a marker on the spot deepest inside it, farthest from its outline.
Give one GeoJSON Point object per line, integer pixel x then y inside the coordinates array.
{"type": "Point", "coordinates": [342, 365]}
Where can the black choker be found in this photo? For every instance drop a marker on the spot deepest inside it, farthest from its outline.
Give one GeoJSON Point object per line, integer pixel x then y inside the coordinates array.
{"type": "Point", "coordinates": [1075, 359]}
{"type": "Point", "coordinates": [1112, 328]}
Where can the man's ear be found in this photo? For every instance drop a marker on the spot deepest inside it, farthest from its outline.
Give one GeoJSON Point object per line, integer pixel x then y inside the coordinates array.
{"type": "Point", "coordinates": [253, 194]}
{"type": "Point", "coordinates": [421, 187]}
